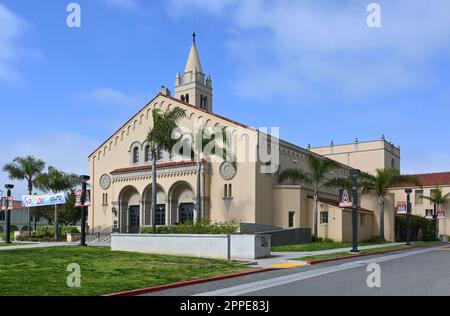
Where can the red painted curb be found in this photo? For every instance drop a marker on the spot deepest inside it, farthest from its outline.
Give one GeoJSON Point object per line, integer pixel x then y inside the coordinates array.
{"type": "Point", "coordinates": [314, 262]}
{"type": "Point", "coordinates": [185, 283]}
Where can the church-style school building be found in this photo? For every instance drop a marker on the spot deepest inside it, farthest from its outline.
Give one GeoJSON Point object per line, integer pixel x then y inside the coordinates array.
{"type": "Point", "coordinates": [121, 173]}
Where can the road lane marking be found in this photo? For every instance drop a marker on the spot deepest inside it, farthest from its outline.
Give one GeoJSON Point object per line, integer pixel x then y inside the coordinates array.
{"type": "Point", "coordinates": [269, 283]}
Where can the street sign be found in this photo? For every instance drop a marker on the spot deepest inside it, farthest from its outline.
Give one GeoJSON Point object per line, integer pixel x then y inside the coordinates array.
{"type": "Point", "coordinates": [429, 214]}
{"type": "Point", "coordinates": [345, 198]}
{"type": "Point", "coordinates": [79, 194]}
{"type": "Point", "coordinates": [402, 208]}
{"type": "Point", "coordinates": [43, 200]}
{"type": "Point", "coordinates": [7, 203]}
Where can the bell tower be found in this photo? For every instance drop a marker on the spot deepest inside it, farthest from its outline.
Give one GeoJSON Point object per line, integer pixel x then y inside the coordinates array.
{"type": "Point", "coordinates": [193, 86]}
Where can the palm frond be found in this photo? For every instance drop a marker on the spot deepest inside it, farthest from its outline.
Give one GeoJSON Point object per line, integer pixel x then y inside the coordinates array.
{"type": "Point", "coordinates": [296, 176]}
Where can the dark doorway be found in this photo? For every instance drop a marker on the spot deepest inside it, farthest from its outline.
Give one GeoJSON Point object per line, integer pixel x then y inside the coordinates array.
{"type": "Point", "coordinates": [186, 212]}
{"type": "Point", "coordinates": [134, 219]}
{"type": "Point", "coordinates": [160, 217]}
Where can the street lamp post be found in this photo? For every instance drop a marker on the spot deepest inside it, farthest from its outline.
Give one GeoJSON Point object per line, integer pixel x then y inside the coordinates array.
{"type": "Point", "coordinates": [84, 180]}
{"type": "Point", "coordinates": [355, 174]}
{"type": "Point", "coordinates": [8, 187]}
{"type": "Point", "coordinates": [408, 216]}
{"type": "Point", "coordinates": [435, 222]}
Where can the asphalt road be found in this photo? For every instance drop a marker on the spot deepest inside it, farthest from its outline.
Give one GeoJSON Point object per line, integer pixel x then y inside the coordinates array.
{"type": "Point", "coordinates": [422, 271]}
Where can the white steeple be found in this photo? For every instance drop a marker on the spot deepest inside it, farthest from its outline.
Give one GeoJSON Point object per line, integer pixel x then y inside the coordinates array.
{"type": "Point", "coordinates": [193, 87]}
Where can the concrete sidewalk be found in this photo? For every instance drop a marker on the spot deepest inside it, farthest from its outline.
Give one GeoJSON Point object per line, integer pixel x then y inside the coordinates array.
{"type": "Point", "coordinates": [284, 259]}
{"type": "Point", "coordinates": [29, 245]}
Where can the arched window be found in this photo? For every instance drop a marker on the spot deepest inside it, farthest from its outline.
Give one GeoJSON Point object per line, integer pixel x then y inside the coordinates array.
{"type": "Point", "coordinates": [205, 102]}
{"type": "Point", "coordinates": [183, 98]}
{"type": "Point", "coordinates": [148, 154]}
{"type": "Point", "coordinates": [136, 155]}
{"type": "Point", "coordinates": [159, 155]}
{"type": "Point", "coordinates": [187, 98]}
{"type": "Point", "coordinates": [2, 216]}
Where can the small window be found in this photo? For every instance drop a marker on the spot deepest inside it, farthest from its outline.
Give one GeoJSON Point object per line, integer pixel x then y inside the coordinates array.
{"type": "Point", "coordinates": [291, 219]}
{"type": "Point", "coordinates": [187, 98]}
{"type": "Point", "coordinates": [105, 199]}
{"type": "Point", "coordinates": [228, 191]}
{"type": "Point", "coordinates": [392, 163]}
{"type": "Point", "coordinates": [148, 153]}
{"type": "Point", "coordinates": [136, 155]}
{"type": "Point", "coordinates": [2, 216]}
{"type": "Point", "coordinates": [323, 217]}
{"type": "Point", "coordinates": [419, 197]}
{"type": "Point", "coordinates": [362, 220]}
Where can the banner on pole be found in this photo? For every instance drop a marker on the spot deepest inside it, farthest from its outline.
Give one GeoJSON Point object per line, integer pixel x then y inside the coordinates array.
{"type": "Point", "coordinates": [43, 200]}
{"type": "Point", "coordinates": [345, 198]}
{"type": "Point", "coordinates": [429, 214]}
{"type": "Point", "coordinates": [7, 203]}
{"type": "Point", "coordinates": [402, 208]}
{"type": "Point", "coordinates": [79, 194]}
{"type": "Point", "coordinates": [441, 213]}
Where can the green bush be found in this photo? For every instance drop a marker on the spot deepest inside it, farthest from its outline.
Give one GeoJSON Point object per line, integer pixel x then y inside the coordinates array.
{"type": "Point", "coordinates": [421, 228]}
{"type": "Point", "coordinates": [50, 230]}
{"type": "Point", "coordinates": [202, 227]}
{"type": "Point", "coordinates": [320, 239]}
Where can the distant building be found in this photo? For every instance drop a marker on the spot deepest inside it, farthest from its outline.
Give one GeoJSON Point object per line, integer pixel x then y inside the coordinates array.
{"type": "Point", "coordinates": [19, 219]}
{"type": "Point", "coordinates": [430, 182]}
{"type": "Point", "coordinates": [367, 156]}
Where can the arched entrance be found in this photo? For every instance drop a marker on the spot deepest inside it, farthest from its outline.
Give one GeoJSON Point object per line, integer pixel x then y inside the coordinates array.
{"type": "Point", "coordinates": [129, 210]}
{"type": "Point", "coordinates": [182, 202]}
{"type": "Point", "coordinates": [161, 218]}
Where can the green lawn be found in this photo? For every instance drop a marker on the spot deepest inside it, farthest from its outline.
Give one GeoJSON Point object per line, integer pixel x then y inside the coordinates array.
{"type": "Point", "coordinates": [2, 244]}
{"type": "Point", "coordinates": [375, 250]}
{"type": "Point", "coordinates": [42, 271]}
{"type": "Point", "coordinates": [317, 246]}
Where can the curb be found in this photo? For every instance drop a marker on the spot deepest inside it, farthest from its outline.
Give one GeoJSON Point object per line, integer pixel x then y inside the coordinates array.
{"type": "Point", "coordinates": [314, 262]}
{"type": "Point", "coordinates": [185, 283]}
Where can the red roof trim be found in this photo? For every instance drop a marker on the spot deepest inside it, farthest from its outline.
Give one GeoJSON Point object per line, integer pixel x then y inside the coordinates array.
{"type": "Point", "coordinates": [428, 180]}
{"type": "Point", "coordinates": [158, 166]}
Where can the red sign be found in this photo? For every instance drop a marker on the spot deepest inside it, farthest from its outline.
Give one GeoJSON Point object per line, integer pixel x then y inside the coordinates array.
{"type": "Point", "coordinates": [79, 194]}
{"type": "Point", "coordinates": [441, 213]}
{"type": "Point", "coordinates": [402, 208]}
{"type": "Point", "coordinates": [7, 203]}
{"type": "Point", "coordinates": [346, 198]}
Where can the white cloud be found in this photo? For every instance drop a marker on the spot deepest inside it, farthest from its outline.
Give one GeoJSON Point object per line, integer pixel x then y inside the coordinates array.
{"type": "Point", "coordinates": [328, 44]}
{"type": "Point", "coordinates": [12, 27]}
{"type": "Point", "coordinates": [108, 96]}
{"type": "Point", "coordinates": [63, 150]}
{"type": "Point", "coordinates": [126, 5]}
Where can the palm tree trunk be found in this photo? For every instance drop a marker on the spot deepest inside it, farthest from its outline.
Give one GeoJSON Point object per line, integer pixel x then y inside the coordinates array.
{"type": "Point", "coordinates": [382, 218]}
{"type": "Point", "coordinates": [30, 190]}
{"type": "Point", "coordinates": [315, 214]}
{"type": "Point", "coordinates": [56, 223]}
{"type": "Point", "coordinates": [199, 195]}
{"type": "Point", "coordinates": [154, 188]}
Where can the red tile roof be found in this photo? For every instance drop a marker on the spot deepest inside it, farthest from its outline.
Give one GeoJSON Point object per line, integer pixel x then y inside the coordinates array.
{"type": "Point", "coordinates": [429, 180]}
{"type": "Point", "coordinates": [158, 166]}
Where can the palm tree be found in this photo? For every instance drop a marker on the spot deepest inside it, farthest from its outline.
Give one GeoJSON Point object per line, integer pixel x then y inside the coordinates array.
{"type": "Point", "coordinates": [316, 176]}
{"type": "Point", "coordinates": [379, 184]}
{"type": "Point", "coordinates": [438, 199]}
{"type": "Point", "coordinates": [160, 138]}
{"type": "Point", "coordinates": [56, 181]}
{"type": "Point", "coordinates": [214, 139]}
{"type": "Point", "coordinates": [25, 169]}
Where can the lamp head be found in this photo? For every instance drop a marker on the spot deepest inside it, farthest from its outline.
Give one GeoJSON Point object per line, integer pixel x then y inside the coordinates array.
{"type": "Point", "coordinates": [9, 186]}
{"type": "Point", "coordinates": [84, 178]}
{"type": "Point", "coordinates": [408, 191]}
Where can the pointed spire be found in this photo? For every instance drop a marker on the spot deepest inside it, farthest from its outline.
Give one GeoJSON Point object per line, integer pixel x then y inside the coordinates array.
{"type": "Point", "coordinates": [194, 59]}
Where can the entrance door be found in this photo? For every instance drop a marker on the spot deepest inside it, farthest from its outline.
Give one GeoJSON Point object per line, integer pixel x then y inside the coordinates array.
{"type": "Point", "coordinates": [134, 220]}
{"type": "Point", "coordinates": [186, 212]}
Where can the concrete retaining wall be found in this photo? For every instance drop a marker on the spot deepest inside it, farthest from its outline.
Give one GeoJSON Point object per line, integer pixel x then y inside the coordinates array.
{"type": "Point", "coordinates": [289, 236]}
{"type": "Point", "coordinates": [244, 247]}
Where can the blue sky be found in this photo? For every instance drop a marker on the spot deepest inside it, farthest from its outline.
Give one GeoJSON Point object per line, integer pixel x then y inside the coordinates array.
{"type": "Point", "coordinates": [312, 68]}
